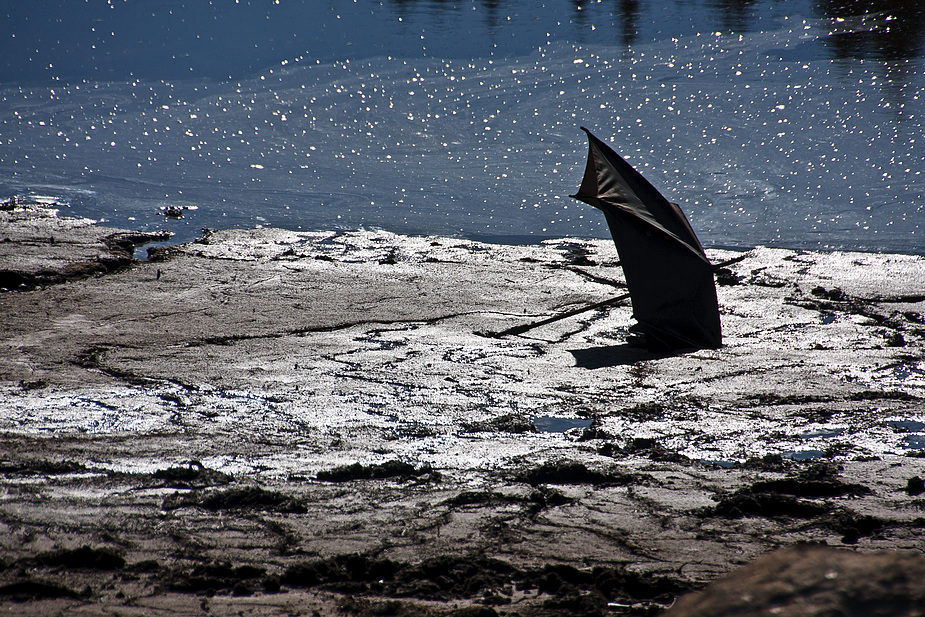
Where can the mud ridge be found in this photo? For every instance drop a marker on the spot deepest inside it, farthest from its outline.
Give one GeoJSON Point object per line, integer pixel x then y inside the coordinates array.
{"type": "Point", "coordinates": [93, 359]}
{"type": "Point", "coordinates": [114, 253]}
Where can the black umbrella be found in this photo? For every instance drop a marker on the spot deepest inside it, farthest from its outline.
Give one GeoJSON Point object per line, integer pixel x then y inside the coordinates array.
{"type": "Point", "coordinates": [669, 277]}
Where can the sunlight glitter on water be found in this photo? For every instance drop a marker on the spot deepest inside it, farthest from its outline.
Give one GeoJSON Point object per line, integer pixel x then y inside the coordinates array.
{"type": "Point", "coordinates": [760, 139]}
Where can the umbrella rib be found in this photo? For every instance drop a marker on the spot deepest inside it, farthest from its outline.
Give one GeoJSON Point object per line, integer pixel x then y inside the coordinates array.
{"type": "Point", "coordinates": [659, 228]}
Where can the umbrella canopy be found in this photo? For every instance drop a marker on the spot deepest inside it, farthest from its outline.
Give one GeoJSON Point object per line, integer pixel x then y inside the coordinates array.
{"type": "Point", "coordinates": [669, 277]}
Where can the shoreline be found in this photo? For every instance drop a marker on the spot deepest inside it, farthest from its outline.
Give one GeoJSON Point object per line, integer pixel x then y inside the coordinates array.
{"type": "Point", "coordinates": [224, 424]}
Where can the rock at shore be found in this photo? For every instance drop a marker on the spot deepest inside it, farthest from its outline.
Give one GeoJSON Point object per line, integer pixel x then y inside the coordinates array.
{"type": "Point", "coordinates": [815, 581]}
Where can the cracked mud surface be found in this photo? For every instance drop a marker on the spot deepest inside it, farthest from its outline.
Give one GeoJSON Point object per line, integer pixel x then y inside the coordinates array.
{"type": "Point", "coordinates": [276, 422]}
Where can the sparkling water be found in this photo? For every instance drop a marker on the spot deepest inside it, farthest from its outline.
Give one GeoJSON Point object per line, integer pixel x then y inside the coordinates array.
{"type": "Point", "coordinates": [775, 123]}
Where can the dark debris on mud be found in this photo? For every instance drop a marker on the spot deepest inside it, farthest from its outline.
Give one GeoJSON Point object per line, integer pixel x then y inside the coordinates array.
{"type": "Point", "coordinates": [43, 467]}
{"type": "Point", "coordinates": [836, 300]}
{"type": "Point", "coordinates": [537, 500]}
{"type": "Point", "coordinates": [32, 589]}
{"type": "Point", "coordinates": [509, 423]}
{"type": "Point", "coordinates": [237, 498]}
{"type": "Point", "coordinates": [85, 558]}
{"type": "Point", "coordinates": [30, 586]}
{"type": "Point", "coordinates": [643, 446]}
{"type": "Point", "coordinates": [806, 495]}
{"type": "Point", "coordinates": [374, 586]}
{"type": "Point", "coordinates": [191, 475]}
{"type": "Point", "coordinates": [390, 469]}
{"type": "Point", "coordinates": [572, 472]}
{"type": "Point", "coordinates": [491, 581]}
{"type": "Point", "coordinates": [794, 496]}
{"type": "Point", "coordinates": [222, 576]}
{"type": "Point", "coordinates": [790, 496]}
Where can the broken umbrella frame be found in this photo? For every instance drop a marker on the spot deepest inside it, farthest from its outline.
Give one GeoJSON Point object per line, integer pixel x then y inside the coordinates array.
{"type": "Point", "coordinates": [669, 277]}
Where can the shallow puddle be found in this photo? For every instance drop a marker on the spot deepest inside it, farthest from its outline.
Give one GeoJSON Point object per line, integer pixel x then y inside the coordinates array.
{"type": "Point", "coordinates": [548, 424]}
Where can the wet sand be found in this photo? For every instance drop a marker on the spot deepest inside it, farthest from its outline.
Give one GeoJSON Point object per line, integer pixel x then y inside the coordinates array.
{"type": "Point", "coordinates": [268, 422]}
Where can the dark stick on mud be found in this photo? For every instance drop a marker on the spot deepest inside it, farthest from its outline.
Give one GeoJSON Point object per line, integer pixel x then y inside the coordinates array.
{"type": "Point", "coordinates": [728, 262]}
{"type": "Point", "coordinates": [536, 324]}
{"type": "Point", "coordinates": [597, 305]}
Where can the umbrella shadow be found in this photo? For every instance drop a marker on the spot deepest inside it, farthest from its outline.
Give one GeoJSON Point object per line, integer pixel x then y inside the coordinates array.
{"type": "Point", "coordinates": [617, 355]}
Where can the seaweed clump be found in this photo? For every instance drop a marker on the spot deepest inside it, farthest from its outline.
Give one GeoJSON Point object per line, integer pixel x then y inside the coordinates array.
{"type": "Point", "coordinates": [389, 469]}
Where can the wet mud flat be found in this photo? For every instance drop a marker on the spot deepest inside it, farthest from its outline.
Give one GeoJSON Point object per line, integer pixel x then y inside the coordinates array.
{"type": "Point", "coordinates": [268, 422]}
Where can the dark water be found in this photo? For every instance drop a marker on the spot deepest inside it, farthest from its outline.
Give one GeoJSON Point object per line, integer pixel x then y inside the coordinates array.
{"type": "Point", "coordinates": [121, 40]}
{"type": "Point", "coordinates": [795, 123]}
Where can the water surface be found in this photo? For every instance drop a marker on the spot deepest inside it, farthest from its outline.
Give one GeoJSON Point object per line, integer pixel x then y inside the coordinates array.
{"type": "Point", "coordinates": [785, 123]}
